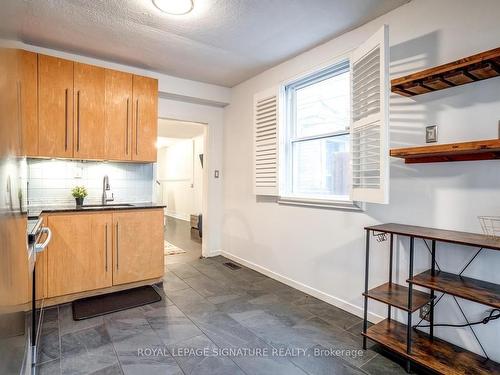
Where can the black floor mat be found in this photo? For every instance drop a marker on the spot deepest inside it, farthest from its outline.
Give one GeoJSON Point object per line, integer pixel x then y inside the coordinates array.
{"type": "Point", "coordinates": [91, 307]}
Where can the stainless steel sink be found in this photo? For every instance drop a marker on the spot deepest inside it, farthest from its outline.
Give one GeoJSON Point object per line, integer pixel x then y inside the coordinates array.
{"type": "Point", "coordinates": [115, 205]}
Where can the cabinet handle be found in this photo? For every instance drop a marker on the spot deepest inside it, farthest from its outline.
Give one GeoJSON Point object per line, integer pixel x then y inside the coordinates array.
{"type": "Point", "coordinates": [106, 246]}
{"type": "Point", "coordinates": [78, 120]}
{"type": "Point", "coordinates": [126, 135]}
{"type": "Point", "coordinates": [137, 127]}
{"type": "Point", "coordinates": [65, 119]}
{"type": "Point", "coordinates": [117, 249]}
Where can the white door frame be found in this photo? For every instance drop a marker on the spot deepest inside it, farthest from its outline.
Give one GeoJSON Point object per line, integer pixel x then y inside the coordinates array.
{"type": "Point", "coordinates": [204, 197]}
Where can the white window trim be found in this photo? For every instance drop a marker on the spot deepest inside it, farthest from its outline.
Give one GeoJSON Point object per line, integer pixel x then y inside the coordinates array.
{"type": "Point", "coordinates": [347, 205]}
{"type": "Point", "coordinates": [286, 139]}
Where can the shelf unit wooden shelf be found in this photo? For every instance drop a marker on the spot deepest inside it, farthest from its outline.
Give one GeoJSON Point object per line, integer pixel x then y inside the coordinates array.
{"type": "Point", "coordinates": [406, 339]}
{"type": "Point", "coordinates": [434, 354]}
{"type": "Point", "coordinates": [474, 68]}
{"type": "Point", "coordinates": [443, 235]}
{"type": "Point", "coordinates": [464, 151]}
{"type": "Point", "coordinates": [464, 287]}
{"type": "Point", "coordinates": [397, 295]}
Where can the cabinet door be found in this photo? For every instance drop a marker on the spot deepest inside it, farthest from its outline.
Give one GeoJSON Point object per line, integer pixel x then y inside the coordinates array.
{"type": "Point", "coordinates": [9, 104]}
{"type": "Point", "coordinates": [55, 107]}
{"type": "Point", "coordinates": [14, 267]}
{"type": "Point", "coordinates": [88, 112]}
{"type": "Point", "coordinates": [28, 93]}
{"type": "Point", "coordinates": [79, 254]}
{"type": "Point", "coordinates": [138, 245]}
{"type": "Point", "coordinates": [145, 106]}
{"type": "Point", "coordinates": [118, 123]}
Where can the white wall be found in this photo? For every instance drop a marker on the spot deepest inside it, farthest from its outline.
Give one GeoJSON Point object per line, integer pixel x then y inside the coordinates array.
{"type": "Point", "coordinates": [50, 181]}
{"type": "Point", "coordinates": [168, 86]}
{"type": "Point", "coordinates": [181, 176]}
{"type": "Point", "coordinates": [322, 250]}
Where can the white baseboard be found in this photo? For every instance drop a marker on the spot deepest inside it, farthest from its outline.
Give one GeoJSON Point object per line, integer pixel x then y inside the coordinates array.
{"type": "Point", "coordinates": [214, 253]}
{"type": "Point", "coordinates": [332, 300]}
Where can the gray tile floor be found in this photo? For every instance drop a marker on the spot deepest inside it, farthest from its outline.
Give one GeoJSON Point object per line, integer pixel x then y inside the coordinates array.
{"type": "Point", "coordinates": [254, 324]}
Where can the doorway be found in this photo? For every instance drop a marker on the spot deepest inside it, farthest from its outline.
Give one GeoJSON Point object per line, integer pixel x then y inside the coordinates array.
{"type": "Point", "coordinates": [180, 187]}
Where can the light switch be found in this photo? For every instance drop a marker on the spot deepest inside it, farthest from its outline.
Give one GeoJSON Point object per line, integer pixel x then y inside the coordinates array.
{"type": "Point", "coordinates": [216, 173]}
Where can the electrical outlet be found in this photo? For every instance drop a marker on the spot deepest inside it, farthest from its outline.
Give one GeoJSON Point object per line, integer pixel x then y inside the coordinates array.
{"type": "Point", "coordinates": [216, 174]}
{"type": "Point", "coordinates": [78, 171]}
{"type": "Point", "coordinates": [431, 134]}
{"type": "Point", "coordinates": [425, 312]}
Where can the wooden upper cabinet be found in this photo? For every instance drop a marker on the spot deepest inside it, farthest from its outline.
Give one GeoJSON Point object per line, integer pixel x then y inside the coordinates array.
{"type": "Point", "coordinates": [79, 254]}
{"type": "Point", "coordinates": [28, 93]}
{"type": "Point", "coordinates": [118, 123]}
{"type": "Point", "coordinates": [68, 109]}
{"type": "Point", "coordinates": [145, 119]}
{"type": "Point", "coordinates": [9, 104]}
{"type": "Point", "coordinates": [55, 107]}
{"type": "Point", "coordinates": [138, 245]}
{"type": "Point", "coordinates": [88, 119]}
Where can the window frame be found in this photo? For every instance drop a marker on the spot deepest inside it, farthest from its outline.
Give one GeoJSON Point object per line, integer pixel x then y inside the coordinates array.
{"type": "Point", "coordinates": [336, 67]}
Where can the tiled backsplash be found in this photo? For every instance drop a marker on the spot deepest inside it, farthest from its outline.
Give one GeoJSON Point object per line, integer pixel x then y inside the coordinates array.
{"type": "Point", "coordinates": [51, 181]}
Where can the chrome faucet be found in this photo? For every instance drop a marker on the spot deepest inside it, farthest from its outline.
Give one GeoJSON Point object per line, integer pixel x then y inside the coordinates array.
{"type": "Point", "coordinates": [106, 190]}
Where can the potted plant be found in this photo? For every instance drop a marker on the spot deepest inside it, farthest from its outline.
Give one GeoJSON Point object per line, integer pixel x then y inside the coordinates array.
{"type": "Point", "coordinates": [79, 193]}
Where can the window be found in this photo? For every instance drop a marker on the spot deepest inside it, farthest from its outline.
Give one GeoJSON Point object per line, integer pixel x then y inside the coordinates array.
{"type": "Point", "coordinates": [316, 139]}
{"type": "Point", "coordinates": [317, 143]}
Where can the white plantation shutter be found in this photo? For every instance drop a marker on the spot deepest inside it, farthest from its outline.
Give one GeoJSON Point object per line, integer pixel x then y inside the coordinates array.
{"type": "Point", "coordinates": [266, 129]}
{"type": "Point", "coordinates": [370, 119]}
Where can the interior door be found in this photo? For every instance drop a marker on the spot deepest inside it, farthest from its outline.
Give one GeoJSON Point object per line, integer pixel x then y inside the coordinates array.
{"type": "Point", "coordinates": [118, 123]}
{"type": "Point", "coordinates": [88, 112]}
{"type": "Point", "coordinates": [145, 120]}
{"type": "Point", "coordinates": [138, 245]}
{"type": "Point", "coordinates": [79, 254]}
{"type": "Point", "coordinates": [55, 107]}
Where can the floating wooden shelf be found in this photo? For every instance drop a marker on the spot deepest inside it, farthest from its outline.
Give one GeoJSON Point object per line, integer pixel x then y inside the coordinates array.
{"type": "Point", "coordinates": [436, 355]}
{"type": "Point", "coordinates": [476, 150]}
{"type": "Point", "coordinates": [484, 65]}
{"type": "Point", "coordinates": [397, 295]}
{"type": "Point", "coordinates": [464, 287]}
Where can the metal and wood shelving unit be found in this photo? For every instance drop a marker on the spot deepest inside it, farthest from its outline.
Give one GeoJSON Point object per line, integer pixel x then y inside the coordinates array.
{"type": "Point", "coordinates": [405, 340]}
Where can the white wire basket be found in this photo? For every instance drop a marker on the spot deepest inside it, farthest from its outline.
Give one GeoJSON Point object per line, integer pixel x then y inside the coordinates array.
{"type": "Point", "coordinates": [490, 225]}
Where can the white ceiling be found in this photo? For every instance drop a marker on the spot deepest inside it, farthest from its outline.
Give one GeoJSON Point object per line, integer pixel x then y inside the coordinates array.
{"type": "Point", "coordinates": [222, 41]}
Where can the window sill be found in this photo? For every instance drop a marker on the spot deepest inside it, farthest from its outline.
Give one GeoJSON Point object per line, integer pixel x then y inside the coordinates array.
{"type": "Point", "coordinates": [322, 203]}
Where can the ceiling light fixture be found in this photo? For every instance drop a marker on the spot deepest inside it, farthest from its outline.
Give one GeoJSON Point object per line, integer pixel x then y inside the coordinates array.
{"type": "Point", "coordinates": [175, 7]}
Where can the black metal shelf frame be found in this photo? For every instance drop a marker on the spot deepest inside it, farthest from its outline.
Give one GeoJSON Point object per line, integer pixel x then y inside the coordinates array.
{"type": "Point", "coordinates": [381, 237]}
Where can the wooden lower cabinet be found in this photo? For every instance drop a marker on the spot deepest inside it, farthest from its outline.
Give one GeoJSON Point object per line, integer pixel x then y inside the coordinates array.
{"type": "Point", "coordinates": [14, 267]}
{"type": "Point", "coordinates": [91, 251]}
{"type": "Point", "coordinates": [79, 254]}
{"type": "Point", "coordinates": [138, 245]}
